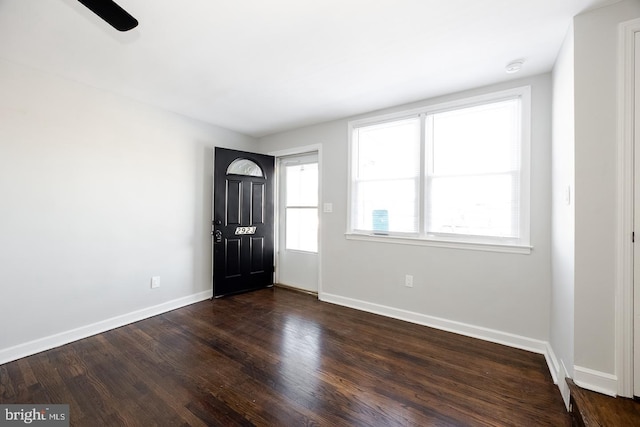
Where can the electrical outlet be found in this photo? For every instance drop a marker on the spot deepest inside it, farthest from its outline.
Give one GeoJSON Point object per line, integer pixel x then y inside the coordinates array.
{"type": "Point", "coordinates": [155, 282]}
{"type": "Point", "coordinates": [408, 280]}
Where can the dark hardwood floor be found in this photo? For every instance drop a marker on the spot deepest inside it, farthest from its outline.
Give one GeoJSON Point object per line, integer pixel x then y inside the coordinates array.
{"type": "Point", "coordinates": [280, 358]}
{"type": "Point", "coordinates": [591, 409]}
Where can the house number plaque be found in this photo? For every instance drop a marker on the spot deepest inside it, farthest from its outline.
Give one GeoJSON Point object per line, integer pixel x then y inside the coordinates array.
{"type": "Point", "coordinates": [245, 230]}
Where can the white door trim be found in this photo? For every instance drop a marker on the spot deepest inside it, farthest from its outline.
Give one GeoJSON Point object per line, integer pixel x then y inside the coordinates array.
{"type": "Point", "coordinates": [296, 151]}
{"type": "Point", "coordinates": [625, 201]}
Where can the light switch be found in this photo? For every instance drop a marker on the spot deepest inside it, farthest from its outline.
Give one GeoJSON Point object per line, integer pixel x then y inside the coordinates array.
{"type": "Point", "coordinates": [327, 208]}
{"type": "Point", "coordinates": [155, 282]}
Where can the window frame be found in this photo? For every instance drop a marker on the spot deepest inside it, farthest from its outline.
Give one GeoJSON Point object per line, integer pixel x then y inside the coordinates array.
{"type": "Point", "coordinates": [417, 179]}
{"type": "Point", "coordinates": [459, 241]}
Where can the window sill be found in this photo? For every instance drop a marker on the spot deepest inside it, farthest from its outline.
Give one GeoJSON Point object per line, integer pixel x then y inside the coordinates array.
{"type": "Point", "coordinates": [442, 243]}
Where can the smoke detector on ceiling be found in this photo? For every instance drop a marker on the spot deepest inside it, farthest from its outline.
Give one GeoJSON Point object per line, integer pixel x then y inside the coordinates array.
{"type": "Point", "coordinates": [514, 66]}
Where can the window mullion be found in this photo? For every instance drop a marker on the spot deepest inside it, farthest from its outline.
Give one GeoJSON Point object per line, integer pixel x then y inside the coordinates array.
{"type": "Point", "coordinates": [428, 168]}
{"type": "Point", "coordinates": [422, 184]}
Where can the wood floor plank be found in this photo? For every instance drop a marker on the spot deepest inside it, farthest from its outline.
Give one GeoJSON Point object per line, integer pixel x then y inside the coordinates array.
{"type": "Point", "coordinates": [592, 409]}
{"type": "Point", "coordinates": [280, 358]}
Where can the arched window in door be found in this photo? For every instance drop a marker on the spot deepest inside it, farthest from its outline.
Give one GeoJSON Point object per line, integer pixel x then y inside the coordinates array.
{"type": "Point", "coordinates": [245, 167]}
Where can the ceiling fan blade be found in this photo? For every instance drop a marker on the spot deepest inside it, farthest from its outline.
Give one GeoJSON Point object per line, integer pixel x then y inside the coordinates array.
{"type": "Point", "coordinates": [113, 14]}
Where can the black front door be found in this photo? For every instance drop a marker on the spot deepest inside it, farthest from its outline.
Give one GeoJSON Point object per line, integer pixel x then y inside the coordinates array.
{"type": "Point", "coordinates": [243, 231]}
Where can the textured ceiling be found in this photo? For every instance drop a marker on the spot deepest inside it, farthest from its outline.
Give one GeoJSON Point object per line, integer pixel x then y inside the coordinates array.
{"type": "Point", "coordinates": [260, 67]}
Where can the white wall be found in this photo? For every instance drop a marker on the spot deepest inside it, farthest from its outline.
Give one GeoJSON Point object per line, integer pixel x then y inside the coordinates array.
{"type": "Point", "coordinates": [596, 48]}
{"type": "Point", "coordinates": [502, 292]}
{"type": "Point", "coordinates": [562, 211]}
{"type": "Point", "coordinates": [97, 194]}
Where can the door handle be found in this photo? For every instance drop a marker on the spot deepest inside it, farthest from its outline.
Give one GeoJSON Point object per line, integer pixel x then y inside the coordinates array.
{"type": "Point", "coordinates": [217, 236]}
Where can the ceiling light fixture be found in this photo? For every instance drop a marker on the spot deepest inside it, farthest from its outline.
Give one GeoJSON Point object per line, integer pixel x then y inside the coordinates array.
{"type": "Point", "coordinates": [515, 66]}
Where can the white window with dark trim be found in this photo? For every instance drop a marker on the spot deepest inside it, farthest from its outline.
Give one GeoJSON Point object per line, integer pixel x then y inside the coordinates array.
{"type": "Point", "coordinates": [454, 174]}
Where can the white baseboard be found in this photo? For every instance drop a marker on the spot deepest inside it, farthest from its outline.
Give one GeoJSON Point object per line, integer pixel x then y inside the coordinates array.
{"type": "Point", "coordinates": [564, 387]}
{"type": "Point", "coordinates": [47, 343]}
{"type": "Point", "coordinates": [600, 382]}
{"type": "Point", "coordinates": [486, 334]}
{"type": "Point", "coordinates": [559, 374]}
{"type": "Point", "coordinates": [554, 365]}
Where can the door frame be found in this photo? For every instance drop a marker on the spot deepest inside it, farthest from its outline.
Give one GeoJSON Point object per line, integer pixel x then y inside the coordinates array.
{"type": "Point", "coordinates": [292, 261]}
{"type": "Point", "coordinates": [624, 284]}
{"type": "Point", "coordinates": [314, 148]}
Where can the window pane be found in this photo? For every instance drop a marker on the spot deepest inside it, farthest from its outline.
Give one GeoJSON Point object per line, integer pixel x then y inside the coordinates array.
{"type": "Point", "coordinates": [481, 139]}
{"type": "Point", "coordinates": [302, 229]}
{"type": "Point", "coordinates": [244, 167]}
{"type": "Point", "coordinates": [387, 206]}
{"type": "Point", "coordinates": [475, 205]}
{"type": "Point", "coordinates": [302, 185]}
{"type": "Point", "coordinates": [387, 174]}
{"type": "Point", "coordinates": [389, 150]}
